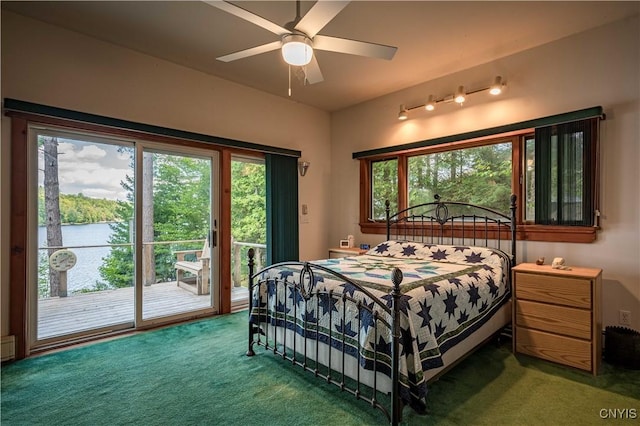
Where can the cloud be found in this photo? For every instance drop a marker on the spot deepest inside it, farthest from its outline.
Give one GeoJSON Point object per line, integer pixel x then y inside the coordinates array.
{"type": "Point", "coordinates": [90, 152]}
{"type": "Point", "coordinates": [93, 169]}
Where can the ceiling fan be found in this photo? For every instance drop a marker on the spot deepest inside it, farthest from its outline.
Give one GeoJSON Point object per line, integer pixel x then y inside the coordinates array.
{"type": "Point", "coordinates": [300, 37]}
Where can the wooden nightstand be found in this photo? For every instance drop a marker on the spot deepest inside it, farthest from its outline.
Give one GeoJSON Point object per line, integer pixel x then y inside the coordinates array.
{"type": "Point", "coordinates": [344, 252]}
{"type": "Point", "coordinates": [557, 316]}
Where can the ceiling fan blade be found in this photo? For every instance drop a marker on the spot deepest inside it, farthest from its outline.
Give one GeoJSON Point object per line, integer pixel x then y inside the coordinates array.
{"type": "Point", "coordinates": [320, 15]}
{"type": "Point", "coordinates": [275, 45]}
{"type": "Point", "coordinates": [354, 47]}
{"type": "Point", "coordinates": [312, 71]}
{"type": "Point", "coordinates": [248, 16]}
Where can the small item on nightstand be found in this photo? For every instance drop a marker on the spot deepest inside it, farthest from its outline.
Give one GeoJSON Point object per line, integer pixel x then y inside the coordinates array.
{"type": "Point", "coordinates": [558, 263]}
{"type": "Point", "coordinates": [540, 261]}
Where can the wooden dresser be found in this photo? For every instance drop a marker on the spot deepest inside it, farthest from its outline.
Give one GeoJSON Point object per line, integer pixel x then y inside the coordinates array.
{"type": "Point", "coordinates": [557, 314]}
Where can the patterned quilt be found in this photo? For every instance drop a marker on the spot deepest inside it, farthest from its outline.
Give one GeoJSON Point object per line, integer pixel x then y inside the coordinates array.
{"type": "Point", "coordinates": [447, 293]}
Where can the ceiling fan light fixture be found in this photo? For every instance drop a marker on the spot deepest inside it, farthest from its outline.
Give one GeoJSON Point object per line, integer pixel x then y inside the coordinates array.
{"type": "Point", "coordinates": [297, 49]}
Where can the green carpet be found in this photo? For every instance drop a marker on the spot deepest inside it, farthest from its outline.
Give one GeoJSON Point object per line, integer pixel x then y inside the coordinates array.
{"type": "Point", "coordinates": [197, 374]}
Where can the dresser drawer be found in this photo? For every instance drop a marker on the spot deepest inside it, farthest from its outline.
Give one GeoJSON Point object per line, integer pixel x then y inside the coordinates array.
{"type": "Point", "coordinates": [564, 350]}
{"type": "Point", "coordinates": [553, 318]}
{"type": "Point", "coordinates": [575, 292]}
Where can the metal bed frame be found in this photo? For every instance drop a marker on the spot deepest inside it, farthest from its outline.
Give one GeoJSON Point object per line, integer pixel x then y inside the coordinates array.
{"type": "Point", "coordinates": [432, 223]}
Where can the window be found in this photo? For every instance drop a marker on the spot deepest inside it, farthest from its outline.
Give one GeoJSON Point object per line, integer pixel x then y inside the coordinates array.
{"type": "Point", "coordinates": [477, 175]}
{"type": "Point", "coordinates": [560, 159]}
{"type": "Point", "coordinates": [551, 169]}
{"type": "Point", "coordinates": [384, 186]}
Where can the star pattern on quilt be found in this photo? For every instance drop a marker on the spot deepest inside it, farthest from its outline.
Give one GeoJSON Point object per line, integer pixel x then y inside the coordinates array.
{"type": "Point", "coordinates": [349, 289]}
{"type": "Point", "coordinates": [474, 258]}
{"type": "Point", "coordinates": [433, 288]}
{"type": "Point", "coordinates": [409, 251]}
{"type": "Point", "coordinates": [346, 328]}
{"type": "Point", "coordinates": [381, 346]}
{"type": "Point", "coordinates": [381, 248]}
{"type": "Point", "coordinates": [474, 295]}
{"type": "Point", "coordinates": [474, 275]}
{"type": "Point", "coordinates": [403, 302]}
{"type": "Point", "coordinates": [425, 310]}
{"type": "Point", "coordinates": [295, 295]}
{"type": "Point", "coordinates": [456, 281]}
{"type": "Point", "coordinates": [439, 255]}
{"type": "Point", "coordinates": [445, 291]}
{"type": "Point", "coordinates": [439, 330]}
{"type": "Point", "coordinates": [327, 304]}
{"type": "Point", "coordinates": [366, 320]}
{"type": "Point", "coordinates": [493, 288]}
{"type": "Point", "coordinates": [282, 307]}
{"type": "Point", "coordinates": [450, 304]}
{"type": "Point", "coordinates": [310, 317]}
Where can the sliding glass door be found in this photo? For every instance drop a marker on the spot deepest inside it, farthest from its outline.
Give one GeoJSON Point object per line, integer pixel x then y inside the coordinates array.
{"type": "Point", "coordinates": [124, 234]}
{"type": "Point", "coordinates": [178, 232]}
{"type": "Point", "coordinates": [248, 223]}
{"type": "Point", "coordinates": [83, 278]}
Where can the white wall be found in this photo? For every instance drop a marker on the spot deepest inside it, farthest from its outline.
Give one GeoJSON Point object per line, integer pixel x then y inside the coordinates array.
{"type": "Point", "coordinates": [48, 65]}
{"type": "Point", "coordinates": [598, 67]}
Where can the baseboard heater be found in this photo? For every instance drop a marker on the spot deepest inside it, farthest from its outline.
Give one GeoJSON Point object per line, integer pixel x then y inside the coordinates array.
{"type": "Point", "coordinates": [8, 348]}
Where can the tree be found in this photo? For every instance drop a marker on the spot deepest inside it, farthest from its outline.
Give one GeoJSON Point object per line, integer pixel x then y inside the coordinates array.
{"type": "Point", "coordinates": [52, 205]}
{"type": "Point", "coordinates": [248, 202]}
{"type": "Point", "coordinates": [117, 268]}
{"type": "Point", "coordinates": [148, 250]}
{"type": "Point", "coordinates": [180, 210]}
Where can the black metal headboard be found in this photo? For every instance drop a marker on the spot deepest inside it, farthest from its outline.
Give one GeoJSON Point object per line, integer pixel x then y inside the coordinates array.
{"type": "Point", "coordinates": [455, 223]}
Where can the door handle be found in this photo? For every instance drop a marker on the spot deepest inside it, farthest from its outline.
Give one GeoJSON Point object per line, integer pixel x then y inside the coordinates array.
{"type": "Point", "coordinates": [213, 241]}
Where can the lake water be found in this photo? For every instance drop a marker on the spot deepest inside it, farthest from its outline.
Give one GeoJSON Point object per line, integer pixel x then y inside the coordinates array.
{"type": "Point", "coordinates": [85, 273]}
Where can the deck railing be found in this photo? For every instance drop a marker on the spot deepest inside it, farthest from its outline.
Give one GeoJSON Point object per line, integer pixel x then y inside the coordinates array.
{"type": "Point", "coordinates": [239, 270]}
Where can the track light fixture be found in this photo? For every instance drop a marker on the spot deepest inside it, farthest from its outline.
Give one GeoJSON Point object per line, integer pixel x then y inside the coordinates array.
{"type": "Point", "coordinates": [431, 104]}
{"type": "Point", "coordinates": [459, 96]}
{"type": "Point", "coordinates": [496, 87]}
{"type": "Point", "coordinates": [402, 115]}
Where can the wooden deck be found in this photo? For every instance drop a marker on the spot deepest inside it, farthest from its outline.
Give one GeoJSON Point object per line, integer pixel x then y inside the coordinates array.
{"type": "Point", "coordinates": [86, 311]}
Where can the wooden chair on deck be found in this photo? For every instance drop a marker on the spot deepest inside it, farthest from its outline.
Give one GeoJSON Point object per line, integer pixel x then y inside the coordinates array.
{"type": "Point", "coordinates": [198, 268]}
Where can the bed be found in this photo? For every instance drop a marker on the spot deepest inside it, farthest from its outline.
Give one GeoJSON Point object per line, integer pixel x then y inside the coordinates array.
{"type": "Point", "coordinates": [382, 325]}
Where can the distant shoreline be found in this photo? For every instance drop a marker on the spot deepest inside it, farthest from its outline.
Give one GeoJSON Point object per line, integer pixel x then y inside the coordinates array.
{"type": "Point", "coordinates": [85, 223]}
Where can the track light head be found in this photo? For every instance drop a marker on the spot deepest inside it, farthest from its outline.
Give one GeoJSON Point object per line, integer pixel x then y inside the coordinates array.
{"type": "Point", "coordinates": [430, 105]}
{"type": "Point", "coordinates": [402, 115]}
{"type": "Point", "coordinates": [496, 87]}
{"type": "Point", "coordinates": [460, 95]}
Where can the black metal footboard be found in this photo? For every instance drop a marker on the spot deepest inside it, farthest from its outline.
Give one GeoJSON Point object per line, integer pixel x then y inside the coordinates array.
{"type": "Point", "coordinates": [286, 302]}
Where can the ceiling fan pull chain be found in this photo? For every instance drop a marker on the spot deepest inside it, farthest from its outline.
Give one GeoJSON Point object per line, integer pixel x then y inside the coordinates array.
{"type": "Point", "coordinates": [289, 80]}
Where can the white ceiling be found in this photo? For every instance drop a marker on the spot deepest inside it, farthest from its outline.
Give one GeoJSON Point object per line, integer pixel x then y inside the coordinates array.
{"type": "Point", "coordinates": [433, 38]}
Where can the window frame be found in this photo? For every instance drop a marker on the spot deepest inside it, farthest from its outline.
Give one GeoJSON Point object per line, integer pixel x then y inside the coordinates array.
{"type": "Point", "coordinates": [524, 231]}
